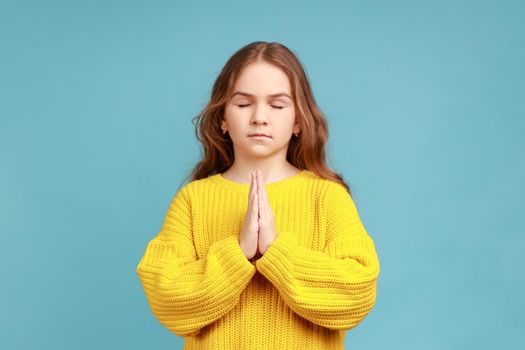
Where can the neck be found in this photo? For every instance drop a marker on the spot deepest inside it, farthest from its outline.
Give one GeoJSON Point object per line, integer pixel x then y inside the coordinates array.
{"type": "Point", "coordinates": [270, 172]}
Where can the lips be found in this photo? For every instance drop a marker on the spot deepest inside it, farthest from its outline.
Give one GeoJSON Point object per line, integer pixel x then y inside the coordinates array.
{"type": "Point", "coordinates": [259, 134]}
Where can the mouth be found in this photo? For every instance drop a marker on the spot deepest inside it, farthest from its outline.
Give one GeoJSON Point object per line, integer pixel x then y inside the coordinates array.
{"type": "Point", "coordinates": [259, 135]}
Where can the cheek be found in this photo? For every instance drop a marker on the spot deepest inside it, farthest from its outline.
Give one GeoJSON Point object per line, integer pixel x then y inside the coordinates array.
{"type": "Point", "coordinates": [233, 117]}
{"type": "Point", "coordinates": [228, 111]}
{"type": "Point", "coordinates": [287, 122]}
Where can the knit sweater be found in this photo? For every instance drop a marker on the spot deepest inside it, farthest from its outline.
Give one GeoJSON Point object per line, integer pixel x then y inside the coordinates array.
{"type": "Point", "coordinates": [316, 280]}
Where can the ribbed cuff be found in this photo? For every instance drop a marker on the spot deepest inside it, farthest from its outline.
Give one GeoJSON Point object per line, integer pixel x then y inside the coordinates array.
{"type": "Point", "coordinates": [233, 254]}
{"type": "Point", "coordinates": [278, 254]}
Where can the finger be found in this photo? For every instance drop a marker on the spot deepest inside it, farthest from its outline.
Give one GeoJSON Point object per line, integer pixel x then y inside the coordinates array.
{"type": "Point", "coordinates": [263, 210]}
{"type": "Point", "coordinates": [255, 186]}
{"type": "Point", "coordinates": [253, 183]}
{"type": "Point", "coordinates": [250, 193]}
{"type": "Point", "coordinates": [259, 194]}
{"type": "Point", "coordinates": [254, 200]}
{"type": "Point", "coordinates": [254, 195]}
{"type": "Point", "coordinates": [254, 207]}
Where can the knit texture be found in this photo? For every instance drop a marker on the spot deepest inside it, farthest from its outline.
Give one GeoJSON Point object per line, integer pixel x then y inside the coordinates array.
{"type": "Point", "coordinates": [316, 280]}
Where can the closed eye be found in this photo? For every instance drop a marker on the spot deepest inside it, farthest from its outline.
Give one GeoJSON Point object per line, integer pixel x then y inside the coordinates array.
{"type": "Point", "coordinates": [245, 105]}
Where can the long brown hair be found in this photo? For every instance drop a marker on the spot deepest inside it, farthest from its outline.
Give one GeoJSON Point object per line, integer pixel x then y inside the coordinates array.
{"type": "Point", "coordinates": [304, 152]}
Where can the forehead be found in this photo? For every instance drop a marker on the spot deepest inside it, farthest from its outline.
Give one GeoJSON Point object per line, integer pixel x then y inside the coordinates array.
{"type": "Point", "coordinates": [262, 79]}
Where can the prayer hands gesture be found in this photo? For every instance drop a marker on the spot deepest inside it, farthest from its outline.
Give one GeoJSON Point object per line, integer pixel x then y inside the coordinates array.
{"type": "Point", "coordinates": [258, 230]}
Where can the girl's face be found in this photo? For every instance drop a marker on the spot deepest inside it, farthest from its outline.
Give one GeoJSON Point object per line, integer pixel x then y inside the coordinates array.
{"type": "Point", "coordinates": [261, 103]}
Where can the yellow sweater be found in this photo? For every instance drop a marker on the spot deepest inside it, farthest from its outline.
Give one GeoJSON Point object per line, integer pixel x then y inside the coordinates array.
{"type": "Point", "coordinates": [315, 281]}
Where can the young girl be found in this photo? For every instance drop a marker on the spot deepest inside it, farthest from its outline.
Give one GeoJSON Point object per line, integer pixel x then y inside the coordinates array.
{"type": "Point", "coordinates": [264, 248]}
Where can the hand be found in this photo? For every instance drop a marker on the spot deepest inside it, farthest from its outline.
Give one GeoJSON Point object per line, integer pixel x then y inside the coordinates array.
{"type": "Point", "coordinates": [248, 238]}
{"type": "Point", "coordinates": [267, 231]}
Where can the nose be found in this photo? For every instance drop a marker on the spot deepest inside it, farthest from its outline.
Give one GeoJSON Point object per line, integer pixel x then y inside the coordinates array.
{"type": "Point", "coordinates": [259, 115]}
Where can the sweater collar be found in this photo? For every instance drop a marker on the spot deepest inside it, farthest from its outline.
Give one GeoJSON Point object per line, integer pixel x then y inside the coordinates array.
{"type": "Point", "coordinates": [273, 186]}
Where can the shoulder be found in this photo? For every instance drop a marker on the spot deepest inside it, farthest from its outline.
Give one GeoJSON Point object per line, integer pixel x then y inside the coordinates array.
{"type": "Point", "coordinates": [193, 189]}
{"type": "Point", "coordinates": [326, 187]}
{"type": "Point", "coordinates": [331, 195]}
{"type": "Point", "coordinates": [335, 189]}
{"type": "Point", "coordinates": [336, 199]}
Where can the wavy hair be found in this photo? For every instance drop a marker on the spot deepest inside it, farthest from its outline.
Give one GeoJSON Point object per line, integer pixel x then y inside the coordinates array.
{"type": "Point", "coordinates": [307, 151]}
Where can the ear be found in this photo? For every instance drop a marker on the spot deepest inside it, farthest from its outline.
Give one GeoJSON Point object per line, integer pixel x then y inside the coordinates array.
{"type": "Point", "coordinates": [296, 128]}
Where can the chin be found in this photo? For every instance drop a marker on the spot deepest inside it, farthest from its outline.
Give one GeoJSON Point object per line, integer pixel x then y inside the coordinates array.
{"type": "Point", "coordinates": [260, 153]}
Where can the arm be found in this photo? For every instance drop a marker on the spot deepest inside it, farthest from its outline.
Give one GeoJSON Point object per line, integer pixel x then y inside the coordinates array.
{"type": "Point", "coordinates": [335, 288]}
{"type": "Point", "coordinates": [186, 294]}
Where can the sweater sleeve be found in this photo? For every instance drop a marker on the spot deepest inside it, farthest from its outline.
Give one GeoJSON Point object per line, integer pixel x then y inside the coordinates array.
{"type": "Point", "coordinates": [336, 287]}
{"type": "Point", "coordinates": [183, 292]}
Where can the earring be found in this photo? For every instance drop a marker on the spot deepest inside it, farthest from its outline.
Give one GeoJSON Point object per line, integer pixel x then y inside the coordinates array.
{"type": "Point", "coordinates": [296, 134]}
{"type": "Point", "coordinates": [224, 131]}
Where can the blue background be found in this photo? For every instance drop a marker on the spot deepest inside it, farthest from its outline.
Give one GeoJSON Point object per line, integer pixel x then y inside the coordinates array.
{"type": "Point", "coordinates": [425, 103]}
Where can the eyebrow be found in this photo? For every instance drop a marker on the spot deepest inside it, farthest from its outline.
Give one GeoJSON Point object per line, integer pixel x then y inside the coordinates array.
{"type": "Point", "coordinates": [279, 94]}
